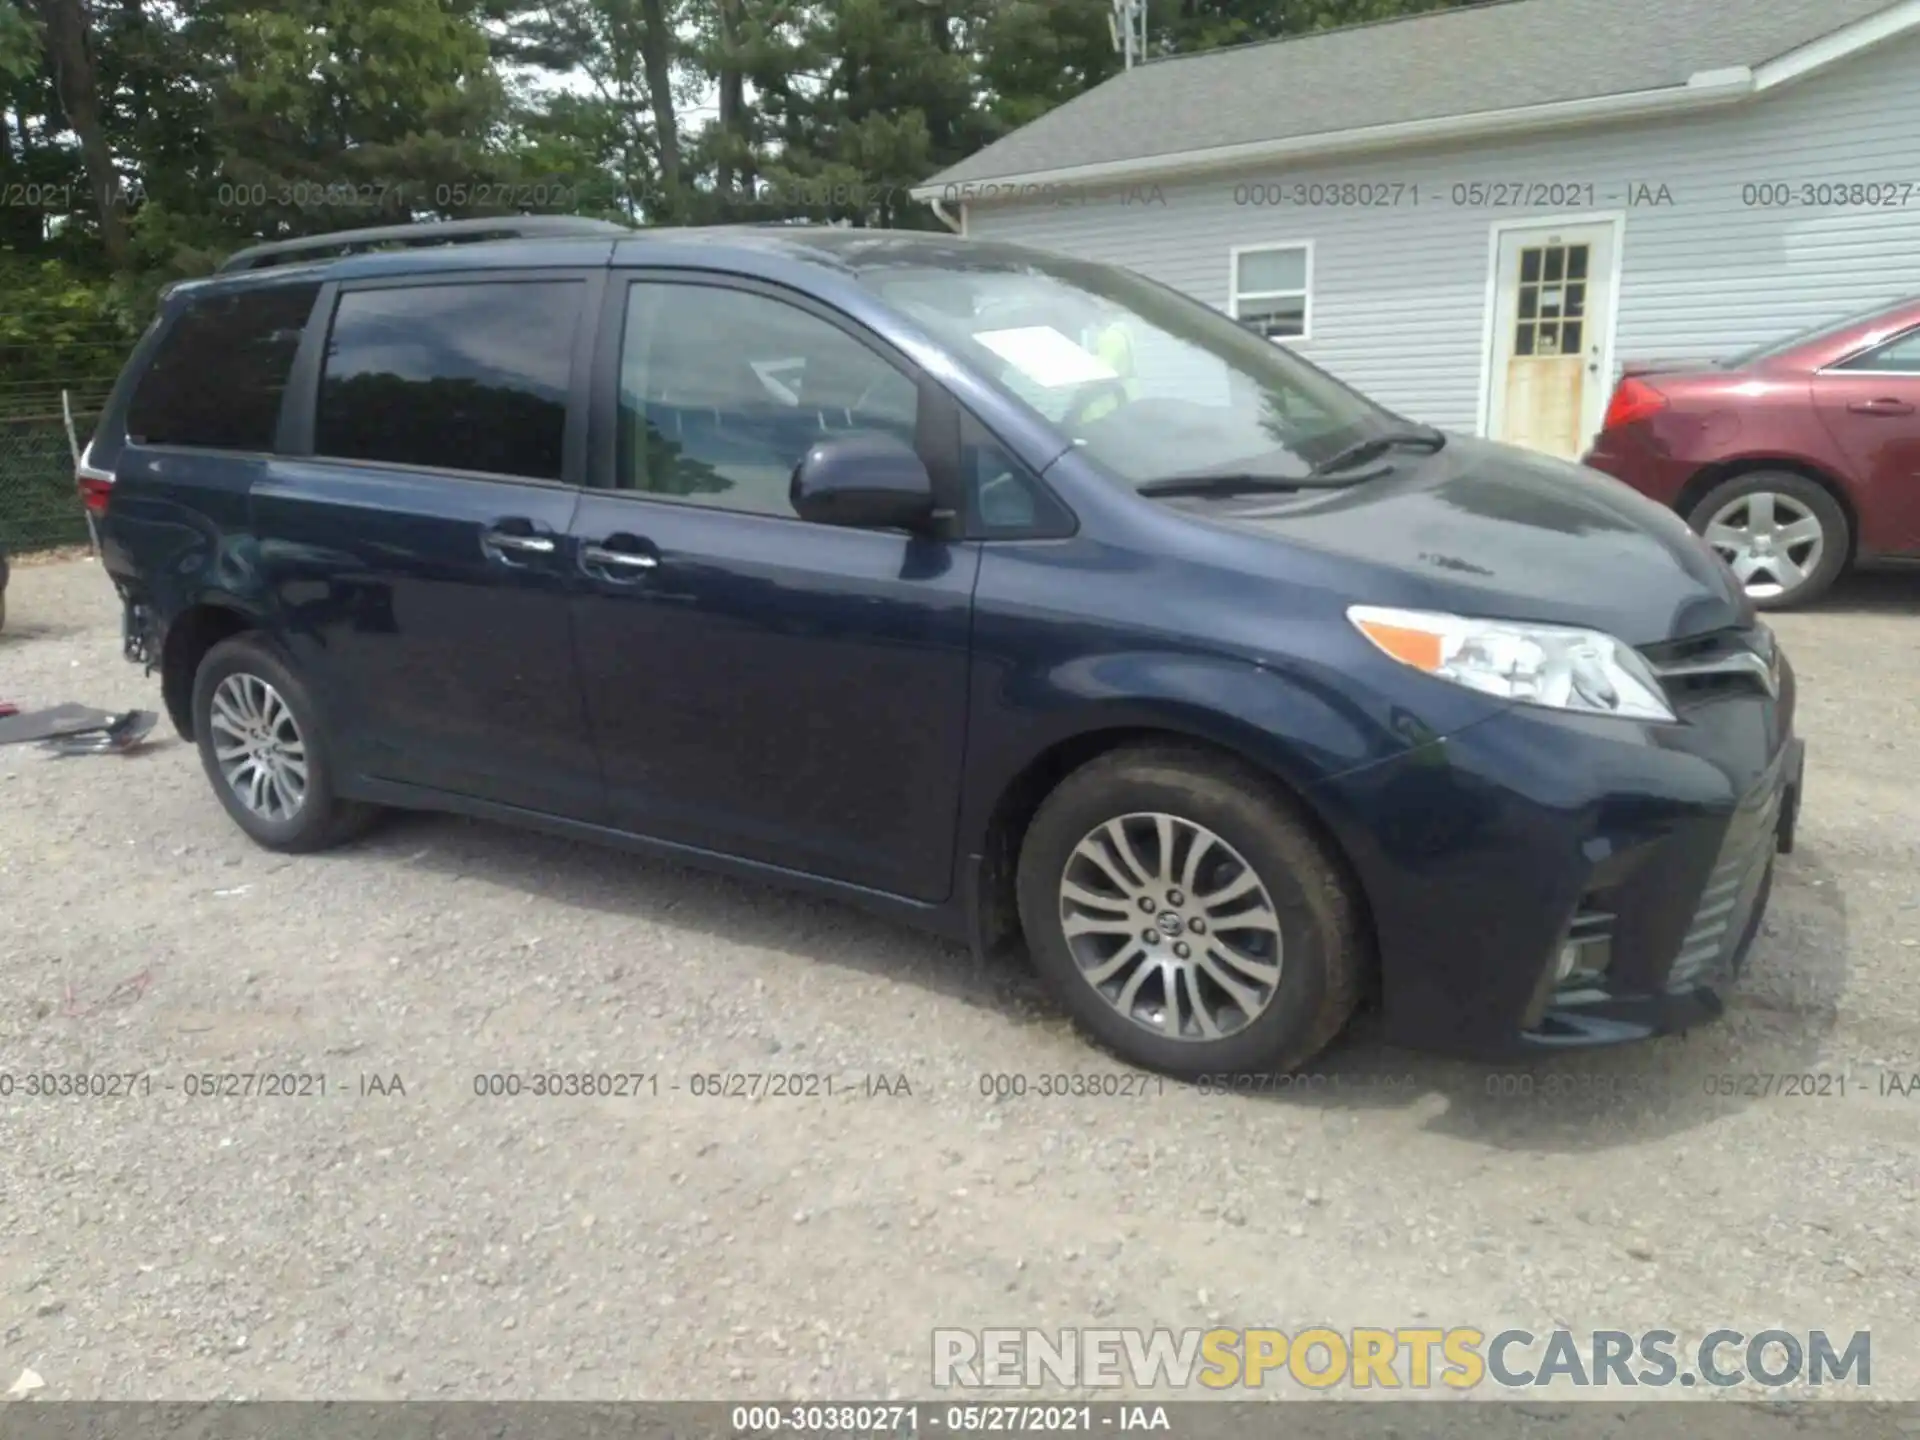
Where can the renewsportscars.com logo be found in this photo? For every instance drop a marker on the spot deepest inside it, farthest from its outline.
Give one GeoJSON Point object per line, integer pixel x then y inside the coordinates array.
{"type": "Point", "coordinates": [1408, 1358]}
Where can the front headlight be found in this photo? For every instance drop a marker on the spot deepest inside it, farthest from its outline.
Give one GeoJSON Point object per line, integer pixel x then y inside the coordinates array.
{"type": "Point", "coordinates": [1584, 671]}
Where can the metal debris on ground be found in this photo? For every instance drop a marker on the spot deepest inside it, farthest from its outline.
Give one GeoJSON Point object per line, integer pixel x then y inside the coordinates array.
{"type": "Point", "coordinates": [58, 720]}
{"type": "Point", "coordinates": [121, 733]}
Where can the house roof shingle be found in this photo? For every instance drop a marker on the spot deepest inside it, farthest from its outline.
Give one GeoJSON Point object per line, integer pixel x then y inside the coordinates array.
{"type": "Point", "coordinates": [1443, 64]}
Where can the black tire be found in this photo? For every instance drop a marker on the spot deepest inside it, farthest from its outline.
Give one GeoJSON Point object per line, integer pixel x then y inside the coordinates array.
{"type": "Point", "coordinates": [322, 819]}
{"type": "Point", "coordinates": [1836, 539]}
{"type": "Point", "coordinates": [1324, 953]}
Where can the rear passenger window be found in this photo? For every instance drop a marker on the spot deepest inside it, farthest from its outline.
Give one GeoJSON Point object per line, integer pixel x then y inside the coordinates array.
{"type": "Point", "coordinates": [1900, 357]}
{"type": "Point", "coordinates": [217, 378]}
{"type": "Point", "coordinates": [472, 376]}
{"type": "Point", "coordinates": [722, 392]}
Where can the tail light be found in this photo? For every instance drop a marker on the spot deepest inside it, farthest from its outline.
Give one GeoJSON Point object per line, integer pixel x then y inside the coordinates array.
{"type": "Point", "coordinates": [94, 484]}
{"type": "Point", "coordinates": [1633, 400]}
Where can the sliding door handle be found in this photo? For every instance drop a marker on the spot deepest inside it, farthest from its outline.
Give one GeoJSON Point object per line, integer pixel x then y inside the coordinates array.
{"type": "Point", "coordinates": [619, 559]}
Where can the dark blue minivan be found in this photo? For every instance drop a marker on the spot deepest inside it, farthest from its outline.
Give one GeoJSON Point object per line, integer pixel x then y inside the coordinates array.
{"type": "Point", "coordinates": [1013, 595]}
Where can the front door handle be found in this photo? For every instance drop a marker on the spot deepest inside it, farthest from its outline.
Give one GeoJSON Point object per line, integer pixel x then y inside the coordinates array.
{"type": "Point", "coordinates": [620, 559]}
{"type": "Point", "coordinates": [1883, 406]}
{"type": "Point", "coordinates": [519, 544]}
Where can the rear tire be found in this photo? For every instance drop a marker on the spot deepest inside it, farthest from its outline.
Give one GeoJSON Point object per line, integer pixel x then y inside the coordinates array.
{"type": "Point", "coordinates": [266, 751]}
{"type": "Point", "coordinates": [1753, 518]}
{"type": "Point", "coordinates": [1210, 840]}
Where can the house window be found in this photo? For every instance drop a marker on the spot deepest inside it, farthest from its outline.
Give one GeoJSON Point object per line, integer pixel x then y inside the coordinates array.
{"type": "Point", "coordinates": [1271, 285]}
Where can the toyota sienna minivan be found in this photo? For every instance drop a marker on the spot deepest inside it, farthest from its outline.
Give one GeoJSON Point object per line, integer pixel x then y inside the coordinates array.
{"type": "Point", "coordinates": [1016, 596]}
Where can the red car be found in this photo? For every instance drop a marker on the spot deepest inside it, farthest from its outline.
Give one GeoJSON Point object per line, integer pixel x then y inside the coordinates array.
{"type": "Point", "coordinates": [1794, 460]}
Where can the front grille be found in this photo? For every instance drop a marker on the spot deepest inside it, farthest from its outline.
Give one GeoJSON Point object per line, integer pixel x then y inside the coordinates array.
{"type": "Point", "coordinates": [1727, 901]}
{"type": "Point", "coordinates": [1725, 661]}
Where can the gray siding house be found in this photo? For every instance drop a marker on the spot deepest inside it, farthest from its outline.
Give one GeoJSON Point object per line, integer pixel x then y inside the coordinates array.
{"type": "Point", "coordinates": [1477, 215]}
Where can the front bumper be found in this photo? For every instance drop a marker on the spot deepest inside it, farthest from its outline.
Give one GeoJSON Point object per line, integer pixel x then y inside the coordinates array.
{"type": "Point", "coordinates": [1649, 848]}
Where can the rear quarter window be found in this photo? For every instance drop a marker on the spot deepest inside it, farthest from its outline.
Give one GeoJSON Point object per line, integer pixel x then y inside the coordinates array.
{"type": "Point", "coordinates": [221, 369]}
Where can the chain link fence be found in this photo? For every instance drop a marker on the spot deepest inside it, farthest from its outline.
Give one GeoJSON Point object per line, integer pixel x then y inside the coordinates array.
{"type": "Point", "coordinates": [39, 505]}
{"type": "Point", "coordinates": [59, 340]}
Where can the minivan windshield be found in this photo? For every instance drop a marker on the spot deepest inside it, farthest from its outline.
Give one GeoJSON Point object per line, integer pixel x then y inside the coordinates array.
{"type": "Point", "coordinates": [1145, 381]}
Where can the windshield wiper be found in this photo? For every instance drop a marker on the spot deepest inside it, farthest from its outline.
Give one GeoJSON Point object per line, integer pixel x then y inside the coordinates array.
{"type": "Point", "coordinates": [1320, 477]}
{"type": "Point", "coordinates": [1423, 437]}
{"type": "Point", "coordinates": [1229, 482]}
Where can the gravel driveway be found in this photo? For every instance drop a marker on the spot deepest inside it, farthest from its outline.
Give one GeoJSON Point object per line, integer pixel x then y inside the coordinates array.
{"type": "Point", "coordinates": [440, 1243]}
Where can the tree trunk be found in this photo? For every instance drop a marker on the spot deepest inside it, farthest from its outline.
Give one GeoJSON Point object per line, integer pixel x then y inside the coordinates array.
{"type": "Point", "coordinates": [133, 22]}
{"type": "Point", "coordinates": [656, 54]}
{"type": "Point", "coordinates": [73, 72]}
{"type": "Point", "coordinates": [20, 228]}
{"type": "Point", "coordinates": [733, 104]}
{"type": "Point", "coordinates": [940, 117]}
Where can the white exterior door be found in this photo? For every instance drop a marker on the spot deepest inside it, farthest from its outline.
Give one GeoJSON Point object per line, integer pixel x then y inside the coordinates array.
{"type": "Point", "coordinates": [1552, 322]}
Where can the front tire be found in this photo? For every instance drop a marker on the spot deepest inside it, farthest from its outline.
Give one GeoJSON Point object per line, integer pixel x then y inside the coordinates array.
{"type": "Point", "coordinates": [1785, 537]}
{"type": "Point", "coordinates": [266, 752]}
{"type": "Point", "coordinates": [1181, 910]}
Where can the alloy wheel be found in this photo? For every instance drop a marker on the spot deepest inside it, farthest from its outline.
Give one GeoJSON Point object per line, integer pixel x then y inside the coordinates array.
{"type": "Point", "coordinates": [1171, 926]}
{"type": "Point", "coordinates": [1772, 542]}
{"type": "Point", "coordinates": [258, 746]}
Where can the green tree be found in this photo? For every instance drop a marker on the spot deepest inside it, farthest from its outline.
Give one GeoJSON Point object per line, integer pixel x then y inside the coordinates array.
{"type": "Point", "coordinates": [1184, 26]}
{"type": "Point", "coordinates": [58, 327]}
{"type": "Point", "coordinates": [24, 97]}
{"type": "Point", "coordinates": [296, 117]}
{"type": "Point", "coordinates": [879, 94]}
{"type": "Point", "coordinates": [179, 131]}
{"type": "Point", "coordinates": [1036, 54]}
{"type": "Point", "coordinates": [19, 43]}
{"type": "Point", "coordinates": [628, 54]}
{"type": "Point", "coordinates": [65, 33]}
{"type": "Point", "coordinates": [378, 95]}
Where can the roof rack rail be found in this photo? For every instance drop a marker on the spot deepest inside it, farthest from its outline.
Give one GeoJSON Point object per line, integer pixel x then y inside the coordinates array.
{"type": "Point", "coordinates": [432, 232]}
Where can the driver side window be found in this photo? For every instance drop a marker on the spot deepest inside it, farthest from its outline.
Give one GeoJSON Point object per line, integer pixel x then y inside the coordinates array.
{"type": "Point", "coordinates": [723, 391]}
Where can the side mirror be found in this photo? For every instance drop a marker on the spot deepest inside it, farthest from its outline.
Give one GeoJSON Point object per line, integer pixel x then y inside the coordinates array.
{"type": "Point", "coordinates": [871, 480]}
